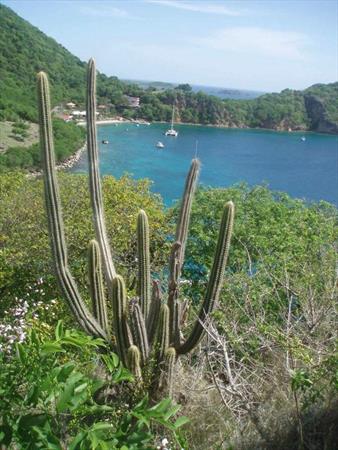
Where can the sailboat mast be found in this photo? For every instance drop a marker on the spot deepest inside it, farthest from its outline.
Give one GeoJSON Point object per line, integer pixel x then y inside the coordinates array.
{"type": "Point", "coordinates": [172, 118]}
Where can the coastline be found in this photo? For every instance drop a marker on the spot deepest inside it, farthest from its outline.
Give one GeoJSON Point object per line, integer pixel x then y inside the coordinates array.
{"type": "Point", "coordinates": [64, 165]}
{"type": "Point", "coordinates": [244, 127]}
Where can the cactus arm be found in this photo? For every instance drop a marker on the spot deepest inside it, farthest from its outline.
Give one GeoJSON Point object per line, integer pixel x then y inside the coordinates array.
{"type": "Point", "coordinates": [54, 217]}
{"type": "Point", "coordinates": [162, 341]}
{"type": "Point", "coordinates": [121, 329]}
{"type": "Point", "coordinates": [178, 249]}
{"type": "Point", "coordinates": [139, 332]}
{"type": "Point", "coordinates": [94, 176]}
{"type": "Point", "coordinates": [173, 292]}
{"type": "Point", "coordinates": [134, 361]}
{"type": "Point", "coordinates": [215, 279]}
{"type": "Point", "coordinates": [143, 262]}
{"type": "Point", "coordinates": [96, 285]}
{"type": "Point", "coordinates": [154, 311]}
{"type": "Point", "coordinates": [185, 211]}
{"type": "Point", "coordinates": [167, 375]}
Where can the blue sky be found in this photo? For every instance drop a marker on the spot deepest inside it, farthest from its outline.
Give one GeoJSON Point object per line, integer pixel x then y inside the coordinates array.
{"type": "Point", "coordinates": [260, 45]}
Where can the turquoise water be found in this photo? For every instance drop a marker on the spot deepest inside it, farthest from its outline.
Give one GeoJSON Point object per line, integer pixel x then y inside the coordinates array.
{"type": "Point", "coordinates": [282, 160]}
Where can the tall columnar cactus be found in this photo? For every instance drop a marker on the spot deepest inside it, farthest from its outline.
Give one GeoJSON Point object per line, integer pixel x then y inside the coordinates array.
{"type": "Point", "coordinates": [146, 329]}
{"type": "Point", "coordinates": [143, 262]}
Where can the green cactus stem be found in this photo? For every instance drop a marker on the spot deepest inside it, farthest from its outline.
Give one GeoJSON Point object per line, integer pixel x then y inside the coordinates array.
{"type": "Point", "coordinates": [139, 331]}
{"type": "Point", "coordinates": [94, 176]}
{"type": "Point", "coordinates": [215, 279]}
{"type": "Point", "coordinates": [173, 292]}
{"type": "Point", "coordinates": [168, 370]}
{"type": "Point", "coordinates": [162, 340]}
{"type": "Point", "coordinates": [185, 211]}
{"type": "Point", "coordinates": [154, 311]}
{"type": "Point", "coordinates": [54, 217]}
{"type": "Point", "coordinates": [96, 285]}
{"type": "Point", "coordinates": [121, 329]}
{"type": "Point", "coordinates": [144, 282]}
{"type": "Point", "coordinates": [134, 361]}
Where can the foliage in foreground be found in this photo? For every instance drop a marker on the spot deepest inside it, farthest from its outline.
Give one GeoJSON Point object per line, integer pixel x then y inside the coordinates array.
{"type": "Point", "coordinates": [278, 303]}
{"type": "Point", "coordinates": [24, 245]}
{"type": "Point", "coordinates": [270, 362]}
{"type": "Point", "coordinates": [52, 392]}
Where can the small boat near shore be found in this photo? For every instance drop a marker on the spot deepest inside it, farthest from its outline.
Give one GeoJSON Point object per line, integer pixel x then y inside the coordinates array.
{"type": "Point", "coordinates": [160, 144]}
{"type": "Point", "coordinates": [105, 141]}
{"type": "Point", "coordinates": [171, 131]}
{"type": "Point", "coordinates": [303, 138]}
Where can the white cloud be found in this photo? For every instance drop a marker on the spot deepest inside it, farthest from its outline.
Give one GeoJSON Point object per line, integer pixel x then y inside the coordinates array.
{"type": "Point", "coordinates": [198, 6]}
{"type": "Point", "coordinates": [260, 41]}
{"type": "Point", "coordinates": [104, 11]}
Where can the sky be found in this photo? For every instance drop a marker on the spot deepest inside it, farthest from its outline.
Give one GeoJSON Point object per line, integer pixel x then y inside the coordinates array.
{"type": "Point", "coordinates": [257, 45]}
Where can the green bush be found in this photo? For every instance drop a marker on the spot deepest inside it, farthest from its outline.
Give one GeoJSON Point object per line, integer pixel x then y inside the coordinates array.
{"type": "Point", "coordinates": [24, 246]}
{"type": "Point", "coordinates": [50, 398]}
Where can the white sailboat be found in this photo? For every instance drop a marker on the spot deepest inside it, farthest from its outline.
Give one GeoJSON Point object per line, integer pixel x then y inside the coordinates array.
{"type": "Point", "coordinates": [171, 131]}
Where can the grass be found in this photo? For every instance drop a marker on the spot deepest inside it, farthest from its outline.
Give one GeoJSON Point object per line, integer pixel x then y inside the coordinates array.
{"type": "Point", "coordinates": [7, 139]}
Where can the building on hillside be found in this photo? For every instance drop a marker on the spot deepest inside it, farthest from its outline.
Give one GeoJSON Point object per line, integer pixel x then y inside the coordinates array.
{"type": "Point", "coordinates": [78, 114]}
{"type": "Point", "coordinates": [133, 102]}
{"type": "Point", "coordinates": [70, 105]}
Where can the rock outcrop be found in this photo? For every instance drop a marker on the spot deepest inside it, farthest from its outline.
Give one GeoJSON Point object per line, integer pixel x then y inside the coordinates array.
{"type": "Point", "coordinates": [317, 114]}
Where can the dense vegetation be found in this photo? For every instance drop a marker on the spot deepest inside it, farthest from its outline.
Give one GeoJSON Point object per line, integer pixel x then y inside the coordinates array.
{"type": "Point", "coordinates": [24, 50]}
{"type": "Point", "coordinates": [68, 139]}
{"type": "Point", "coordinates": [275, 321]}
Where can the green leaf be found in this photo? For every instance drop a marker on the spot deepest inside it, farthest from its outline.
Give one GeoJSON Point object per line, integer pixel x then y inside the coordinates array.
{"type": "Point", "coordinates": [21, 353]}
{"type": "Point", "coordinates": [74, 444]}
{"type": "Point", "coordinates": [162, 406]}
{"type": "Point", "coordinates": [181, 421]}
{"type": "Point", "coordinates": [65, 371]}
{"type": "Point", "coordinates": [59, 330]}
{"type": "Point", "coordinates": [31, 420]}
{"type": "Point", "coordinates": [102, 426]}
{"type": "Point", "coordinates": [51, 347]}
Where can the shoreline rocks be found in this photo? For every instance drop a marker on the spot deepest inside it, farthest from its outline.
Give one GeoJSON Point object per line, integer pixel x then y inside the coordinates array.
{"type": "Point", "coordinates": [64, 165]}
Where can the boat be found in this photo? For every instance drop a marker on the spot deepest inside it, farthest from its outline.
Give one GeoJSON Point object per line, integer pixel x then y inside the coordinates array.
{"type": "Point", "coordinates": [171, 131]}
{"type": "Point", "coordinates": [104, 141]}
{"type": "Point", "coordinates": [303, 138]}
{"type": "Point", "coordinates": [160, 144]}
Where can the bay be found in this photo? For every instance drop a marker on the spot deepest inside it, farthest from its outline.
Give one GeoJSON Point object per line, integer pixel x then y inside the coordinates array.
{"type": "Point", "coordinates": [304, 169]}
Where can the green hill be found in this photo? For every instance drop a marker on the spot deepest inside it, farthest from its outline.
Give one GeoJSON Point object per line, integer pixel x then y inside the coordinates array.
{"type": "Point", "coordinates": [25, 50]}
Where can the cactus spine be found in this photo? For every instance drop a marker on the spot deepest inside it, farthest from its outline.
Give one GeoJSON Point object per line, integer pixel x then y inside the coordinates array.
{"type": "Point", "coordinates": [151, 323]}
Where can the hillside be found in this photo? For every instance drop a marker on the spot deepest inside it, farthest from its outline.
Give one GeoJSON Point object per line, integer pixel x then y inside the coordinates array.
{"type": "Point", "coordinates": [25, 50]}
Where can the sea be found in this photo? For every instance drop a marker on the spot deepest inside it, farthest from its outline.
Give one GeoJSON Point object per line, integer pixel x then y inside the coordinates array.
{"type": "Point", "coordinates": [227, 93]}
{"type": "Point", "coordinates": [302, 164]}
